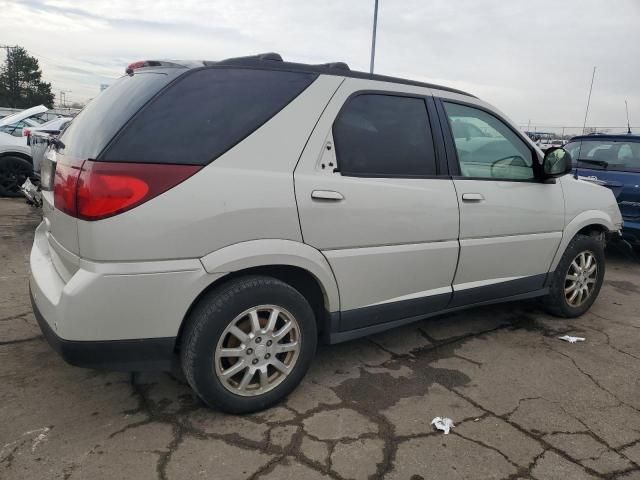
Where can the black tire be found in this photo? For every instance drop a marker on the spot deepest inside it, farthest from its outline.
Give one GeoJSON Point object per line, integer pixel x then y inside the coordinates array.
{"type": "Point", "coordinates": [210, 317]}
{"type": "Point", "coordinates": [556, 302]}
{"type": "Point", "coordinates": [14, 171]}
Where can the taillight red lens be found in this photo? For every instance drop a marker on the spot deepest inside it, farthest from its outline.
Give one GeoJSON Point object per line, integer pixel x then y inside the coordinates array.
{"type": "Point", "coordinates": [105, 189]}
{"type": "Point", "coordinates": [64, 187]}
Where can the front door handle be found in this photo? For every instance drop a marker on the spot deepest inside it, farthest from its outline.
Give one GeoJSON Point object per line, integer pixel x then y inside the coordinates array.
{"type": "Point", "coordinates": [472, 197]}
{"type": "Point", "coordinates": [327, 195]}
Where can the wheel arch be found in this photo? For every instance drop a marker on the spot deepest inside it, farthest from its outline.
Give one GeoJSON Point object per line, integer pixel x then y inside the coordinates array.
{"type": "Point", "coordinates": [588, 223]}
{"type": "Point", "coordinates": [10, 153]}
{"type": "Point", "coordinates": [297, 264]}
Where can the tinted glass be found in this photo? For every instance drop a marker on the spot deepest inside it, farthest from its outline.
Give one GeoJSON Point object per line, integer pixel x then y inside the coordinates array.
{"type": "Point", "coordinates": [204, 114]}
{"type": "Point", "coordinates": [384, 135]}
{"type": "Point", "coordinates": [99, 121]}
{"type": "Point", "coordinates": [487, 148]}
{"type": "Point", "coordinates": [606, 154]}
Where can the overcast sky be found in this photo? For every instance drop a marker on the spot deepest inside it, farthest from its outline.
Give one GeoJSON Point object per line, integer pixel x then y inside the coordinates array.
{"type": "Point", "coordinates": [532, 59]}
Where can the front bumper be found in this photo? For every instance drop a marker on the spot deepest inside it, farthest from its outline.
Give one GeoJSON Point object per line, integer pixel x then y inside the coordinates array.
{"type": "Point", "coordinates": [118, 355]}
{"type": "Point", "coordinates": [631, 232]}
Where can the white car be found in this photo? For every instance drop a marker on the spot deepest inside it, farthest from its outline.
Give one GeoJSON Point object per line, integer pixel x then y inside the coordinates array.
{"type": "Point", "coordinates": [15, 155]}
{"type": "Point", "coordinates": [230, 215]}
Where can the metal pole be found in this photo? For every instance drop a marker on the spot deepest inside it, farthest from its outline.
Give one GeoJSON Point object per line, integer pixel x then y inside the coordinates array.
{"type": "Point", "coordinates": [373, 37]}
{"type": "Point", "coordinates": [584, 125]}
{"type": "Point", "coordinates": [628, 124]}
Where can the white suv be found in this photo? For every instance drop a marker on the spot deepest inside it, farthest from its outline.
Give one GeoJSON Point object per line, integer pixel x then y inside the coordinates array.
{"type": "Point", "coordinates": [229, 215]}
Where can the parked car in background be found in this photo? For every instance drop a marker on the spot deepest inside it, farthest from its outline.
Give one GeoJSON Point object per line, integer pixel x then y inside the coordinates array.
{"type": "Point", "coordinates": [614, 162]}
{"type": "Point", "coordinates": [547, 143]}
{"type": "Point", "coordinates": [15, 154]}
{"type": "Point", "coordinates": [51, 127]}
{"type": "Point", "coordinates": [38, 138]}
{"type": "Point", "coordinates": [229, 215]}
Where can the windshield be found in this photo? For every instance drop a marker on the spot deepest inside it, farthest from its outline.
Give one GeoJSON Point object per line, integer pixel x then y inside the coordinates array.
{"type": "Point", "coordinates": [606, 154]}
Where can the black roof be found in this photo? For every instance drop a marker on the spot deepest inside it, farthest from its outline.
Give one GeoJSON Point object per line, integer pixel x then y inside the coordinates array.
{"type": "Point", "coordinates": [273, 61]}
{"type": "Point", "coordinates": [629, 137]}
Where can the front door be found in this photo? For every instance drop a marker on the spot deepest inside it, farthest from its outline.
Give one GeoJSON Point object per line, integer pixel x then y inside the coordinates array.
{"type": "Point", "coordinates": [372, 199]}
{"type": "Point", "coordinates": [511, 222]}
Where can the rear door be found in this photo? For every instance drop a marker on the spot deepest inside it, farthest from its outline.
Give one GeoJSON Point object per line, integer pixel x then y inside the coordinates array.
{"type": "Point", "coordinates": [373, 197]}
{"type": "Point", "coordinates": [511, 223]}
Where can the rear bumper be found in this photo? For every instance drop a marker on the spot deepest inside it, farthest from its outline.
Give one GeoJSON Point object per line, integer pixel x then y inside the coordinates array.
{"type": "Point", "coordinates": [117, 316]}
{"type": "Point", "coordinates": [119, 355]}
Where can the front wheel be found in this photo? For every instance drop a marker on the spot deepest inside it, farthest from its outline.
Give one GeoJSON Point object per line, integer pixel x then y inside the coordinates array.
{"type": "Point", "coordinates": [248, 344]}
{"type": "Point", "coordinates": [578, 278]}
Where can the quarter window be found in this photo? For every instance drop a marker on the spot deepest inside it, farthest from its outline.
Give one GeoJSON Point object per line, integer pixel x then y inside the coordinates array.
{"type": "Point", "coordinates": [486, 147]}
{"type": "Point", "coordinates": [384, 135]}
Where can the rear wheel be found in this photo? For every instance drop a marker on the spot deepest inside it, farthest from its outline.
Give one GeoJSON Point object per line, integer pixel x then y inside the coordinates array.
{"type": "Point", "coordinates": [14, 171]}
{"type": "Point", "coordinates": [248, 344]}
{"type": "Point", "coordinates": [578, 278]}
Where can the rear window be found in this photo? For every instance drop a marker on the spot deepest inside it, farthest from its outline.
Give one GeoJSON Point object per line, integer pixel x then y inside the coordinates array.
{"type": "Point", "coordinates": [204, 114]}
{"type": "Point", "coordinates": [606, 154]}
{"type": "Point", "coordinates": [99, 121]}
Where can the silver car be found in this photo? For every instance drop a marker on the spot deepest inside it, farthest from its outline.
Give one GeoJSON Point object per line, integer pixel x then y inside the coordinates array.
{"type": "Point", "coordinates": [230, 215]}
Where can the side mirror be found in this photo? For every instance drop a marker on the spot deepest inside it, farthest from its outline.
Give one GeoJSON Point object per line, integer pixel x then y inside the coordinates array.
{"type": "Point", "coordinates": [557, 162]}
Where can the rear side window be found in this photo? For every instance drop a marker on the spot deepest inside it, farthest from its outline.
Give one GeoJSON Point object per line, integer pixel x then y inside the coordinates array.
{"type": "Point", "coordinates": [204, 114]}
{"type": "Point", "coordinates": [99, 121]}
{"type": "Point", "coordinates": [384, 135]}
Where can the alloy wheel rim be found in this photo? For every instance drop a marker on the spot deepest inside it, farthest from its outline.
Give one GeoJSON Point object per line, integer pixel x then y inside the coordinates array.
{"type": "Point", "coordinates": [257, 350]}
{"type": "Point", "coordinates": [581, 277]}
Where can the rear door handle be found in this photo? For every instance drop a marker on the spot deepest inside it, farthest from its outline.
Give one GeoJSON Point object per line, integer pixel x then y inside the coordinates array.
{"type": "Point", "coordinates": [327, 195]}
{"type": "Point", "coordinates": [472, 197]}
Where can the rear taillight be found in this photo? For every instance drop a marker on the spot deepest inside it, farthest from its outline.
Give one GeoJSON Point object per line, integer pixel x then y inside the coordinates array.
{"type": "Point", "coordinates": [105, 189]}
{"type": "Point", "coordinates": [65, 182]}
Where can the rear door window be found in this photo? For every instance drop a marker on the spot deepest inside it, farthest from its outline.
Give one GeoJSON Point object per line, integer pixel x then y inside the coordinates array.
{"type": "Point", "coordinates": [384, 135]}
{"type": "Point", "coordinates": [204, 114]}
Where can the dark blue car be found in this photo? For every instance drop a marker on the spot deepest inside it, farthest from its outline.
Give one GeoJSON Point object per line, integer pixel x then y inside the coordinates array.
{"type": "Point", "coordinates": [613, 161]}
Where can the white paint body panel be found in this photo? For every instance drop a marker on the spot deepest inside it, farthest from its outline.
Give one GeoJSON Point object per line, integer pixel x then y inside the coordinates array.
{"type": "Point", "coordinates": [388, 237]}
{"type": "Point", "coordinates": [114, 301]}
{"type": "Point", "coordinates": [246, 194]}
{"type": "Point", "coordinates": [514, 231]}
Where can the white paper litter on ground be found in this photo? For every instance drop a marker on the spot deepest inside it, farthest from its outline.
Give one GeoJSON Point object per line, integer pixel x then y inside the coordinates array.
{"type": "Point", "coordinates": [444, 424]}
{"type": "Point", "coordinates": [570, 339]}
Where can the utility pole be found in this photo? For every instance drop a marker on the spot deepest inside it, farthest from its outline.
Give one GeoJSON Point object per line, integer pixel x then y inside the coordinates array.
{"type": "Point", "coordinates": [373, 37]}
{"type": "Point", "coordinates": [626, 106]}
{"type": "Point", "coordinates": [584, 125]}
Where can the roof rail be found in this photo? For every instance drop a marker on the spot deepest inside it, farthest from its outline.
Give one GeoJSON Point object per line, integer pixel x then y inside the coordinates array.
{"type": "Point", "coordinates": [274, 60]}
{"type": "Point", "coordinates": [269, 56]}
{"type": "Point", "coordinates": [335, 65]}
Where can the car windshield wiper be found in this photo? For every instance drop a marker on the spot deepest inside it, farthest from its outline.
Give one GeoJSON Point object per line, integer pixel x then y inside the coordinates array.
{"type": "Point", "coordinates": [602, 163]}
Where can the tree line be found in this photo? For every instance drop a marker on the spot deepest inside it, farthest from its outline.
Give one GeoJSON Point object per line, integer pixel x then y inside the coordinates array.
{"type": "Point", "coordinates": [21, 84]}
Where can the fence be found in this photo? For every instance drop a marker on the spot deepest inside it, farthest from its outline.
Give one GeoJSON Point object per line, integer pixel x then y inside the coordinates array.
{"type": "Point", "coordinates": [566, 133]}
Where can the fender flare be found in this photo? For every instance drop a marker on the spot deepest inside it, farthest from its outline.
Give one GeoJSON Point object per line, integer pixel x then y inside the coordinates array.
{"type": "Point", "coordinates": [272, 252]}
{"type": "Point", "coordinates": [584, 219]}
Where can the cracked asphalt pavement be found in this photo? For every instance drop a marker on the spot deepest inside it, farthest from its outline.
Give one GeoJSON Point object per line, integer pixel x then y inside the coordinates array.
{"type": "Point", "coordinates": [524, 403]}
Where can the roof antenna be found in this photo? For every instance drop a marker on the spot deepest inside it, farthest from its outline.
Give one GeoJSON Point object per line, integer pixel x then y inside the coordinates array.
{"type": "Point", "coordinates": [626, 105]}
{"type": "Point", "coordinates": [584, 125]}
